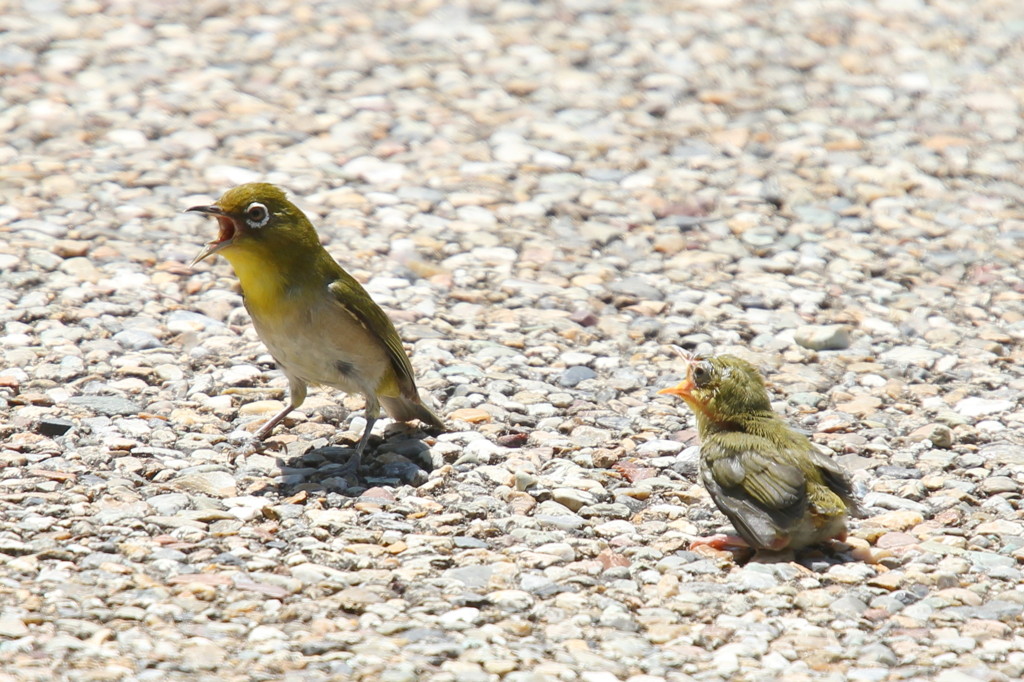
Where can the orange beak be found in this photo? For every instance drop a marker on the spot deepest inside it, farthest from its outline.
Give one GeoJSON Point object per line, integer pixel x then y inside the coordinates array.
{"type": "Point", "coordinates": [681, 390]}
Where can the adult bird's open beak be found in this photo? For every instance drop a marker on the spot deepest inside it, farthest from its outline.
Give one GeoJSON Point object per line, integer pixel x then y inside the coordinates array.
{"type": "Point", "coordinates": [224, 237]}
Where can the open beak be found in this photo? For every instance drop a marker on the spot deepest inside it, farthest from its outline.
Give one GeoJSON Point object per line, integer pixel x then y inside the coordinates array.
{"type": "Point", "coordinates": [224, 237]}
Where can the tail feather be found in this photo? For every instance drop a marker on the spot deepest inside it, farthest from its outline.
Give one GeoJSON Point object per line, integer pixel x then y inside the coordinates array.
{"type": "Point", "coordinates": [404, 409]}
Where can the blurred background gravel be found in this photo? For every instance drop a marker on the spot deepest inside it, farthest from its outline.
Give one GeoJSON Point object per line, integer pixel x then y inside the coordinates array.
{"type": "Point", "coordinates": [545, 195]}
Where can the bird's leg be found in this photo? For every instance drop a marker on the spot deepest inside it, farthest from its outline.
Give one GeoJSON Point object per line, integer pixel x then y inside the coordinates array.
{"type": "Point", "coordinates": [272, 422]}
{"type": "Point", "coordinates": [297, 394]}
{"type": "Point", "coordinates": [366, 435]}
{"type": "Point", "coordinates": [372, 412]}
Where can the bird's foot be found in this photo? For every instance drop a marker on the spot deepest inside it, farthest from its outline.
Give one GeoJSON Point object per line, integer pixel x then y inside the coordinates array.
{"type": "Point", "coordinates": [242, 437]}
{"type": "Point", "coordinates": [723, 546]}
{"type": "Point", "coordinates": [855, 547]}
{"type": "Point", "coordinates": [245, 444]}
{"type": "Point", "coordinates": [721, 542]}
{"type": "Point", "coordinates": [351, 467]}
{"type": "Point", "coordinates": [343, 462]}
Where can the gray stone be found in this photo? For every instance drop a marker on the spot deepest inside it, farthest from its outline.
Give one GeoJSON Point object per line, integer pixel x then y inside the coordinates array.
{"type": "Point", "coordinates": [887, 501]}
{"type": "Point", "coordinates": [12, 627]}
{"type": "Point", "coordinates": [659, 447]}
{"type": "Point", "coordinates": [995, 485]}
{"type": "Point", "coordinates": [137, 339]}
{"type": "Point", "coordinates": [574, 375]}
{"type": "Point", "coordinates": [53, 427]}
{"type": "Point", "coordinates": [106, 405]}
{"type": "Point", "coordinates": [572, 498]}
{"type": "Point", "coordinates": [911, 355]}
{"type": "Point", "coordinates": [637, 287]}
{"type": "Point", "coordinates": [992, 610]}
{"type": "Point", "coordinates": [752, 577]}
{"type": "Point", "coordinates": [851, 607]}
{"type": "Point", "coordinates": [974, 407]}
{"type": "Point", "coordinates": [168, 504]}
{"type": "Point", "coordinates": [826, 337]}
{"type": "Point", "coordinates": [473, 577]}
{"type": "Point", "coordinates": [213, 483]}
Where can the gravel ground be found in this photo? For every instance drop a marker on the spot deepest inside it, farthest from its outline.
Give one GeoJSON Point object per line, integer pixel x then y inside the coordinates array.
{"type": "Point", "coordinates": [545, 195]}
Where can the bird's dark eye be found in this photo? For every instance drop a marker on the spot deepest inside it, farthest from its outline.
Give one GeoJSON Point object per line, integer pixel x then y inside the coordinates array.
{"type": "Point", "coordinates": [702, 372]}
{"type": "Point", "coordinates": [256, 215]}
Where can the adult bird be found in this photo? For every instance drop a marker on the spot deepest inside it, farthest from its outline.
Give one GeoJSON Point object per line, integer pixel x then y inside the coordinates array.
{"type": "Point", "coordinates": [319, 323]}
{"type": "Point", "coordinates": [777, 488]}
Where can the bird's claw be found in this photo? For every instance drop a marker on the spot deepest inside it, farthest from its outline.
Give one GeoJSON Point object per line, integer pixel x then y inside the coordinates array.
{"type": "Point", "coordinates": [242, 437]}
{"type": "Point", "coordinates": [245, 444]}
{"type": "Point", "coordinates": [344, 462]}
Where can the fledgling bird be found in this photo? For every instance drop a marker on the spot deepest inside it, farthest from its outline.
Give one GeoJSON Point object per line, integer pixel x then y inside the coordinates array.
{"type": "Point", "coordinates": [777, 488]}
{"type": "Point", "coordinates": [319, 323]}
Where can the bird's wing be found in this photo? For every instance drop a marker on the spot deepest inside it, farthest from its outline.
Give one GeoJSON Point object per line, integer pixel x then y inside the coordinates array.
{"type": "Point", "coordinates": [768, 480]}
{"type": "Point", "coordinates": [760, 493]}
{"type": "Point", "coordinates": [351, 295]}
{"type": "Point", "coordinates": [838, 481]}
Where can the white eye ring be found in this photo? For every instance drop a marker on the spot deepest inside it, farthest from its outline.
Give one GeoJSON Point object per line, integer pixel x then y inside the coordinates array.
{"type": "Point", "coordinates": [257, 215]}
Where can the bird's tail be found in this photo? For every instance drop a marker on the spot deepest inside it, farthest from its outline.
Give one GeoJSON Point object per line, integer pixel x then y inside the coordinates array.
{"type": "Point", "coordinates": [405, 410]}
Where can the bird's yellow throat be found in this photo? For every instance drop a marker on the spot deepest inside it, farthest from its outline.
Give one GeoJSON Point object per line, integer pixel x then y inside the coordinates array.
{"type": "Point", "coordinates": [263, 277]}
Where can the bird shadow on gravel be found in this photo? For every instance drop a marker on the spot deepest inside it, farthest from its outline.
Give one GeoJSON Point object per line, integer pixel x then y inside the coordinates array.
{"type": "Point", "coordinates": [814, 559]}
{"type": "Point", "coordinates": [817, 559]}
{"type": "Point", "coordinates": [401, 457]}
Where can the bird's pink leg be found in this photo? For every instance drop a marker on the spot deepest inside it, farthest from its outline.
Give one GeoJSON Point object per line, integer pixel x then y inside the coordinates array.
{"type": "Point", "coordinates": [271, 423]}
{"type": "Point", "coordinates": [296, 396]}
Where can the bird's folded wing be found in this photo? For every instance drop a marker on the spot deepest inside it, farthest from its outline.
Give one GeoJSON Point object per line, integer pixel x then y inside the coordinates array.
{"type": "Point", "coordinates": [768, 481]}
{"type": "Point", "coordinates": [838, 480]}
{"type": "Point", "coordinates": [351, 295]}
{"type": "Point", "coordinates": [761, 497]}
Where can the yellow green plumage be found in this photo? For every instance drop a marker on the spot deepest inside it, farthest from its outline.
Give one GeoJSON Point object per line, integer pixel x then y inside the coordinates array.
{"type": "Point", "coordinates": [319, 323]}
{"type": "Point", "coordinates": [775, 486]}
